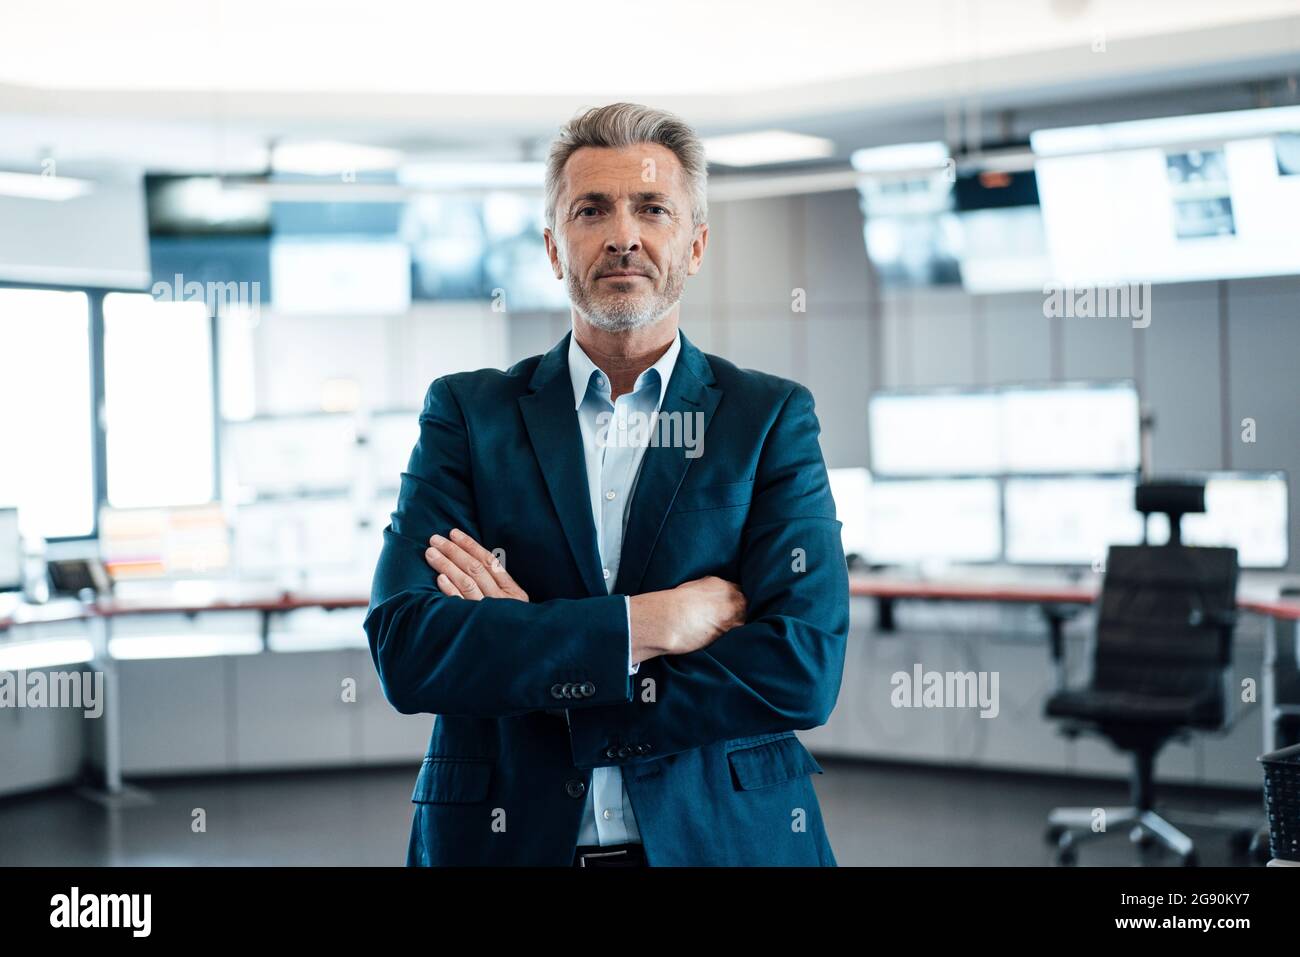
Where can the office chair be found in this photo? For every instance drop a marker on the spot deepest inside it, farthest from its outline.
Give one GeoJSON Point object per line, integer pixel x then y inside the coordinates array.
{"type": "Point", "coordinates": [1160, 670]}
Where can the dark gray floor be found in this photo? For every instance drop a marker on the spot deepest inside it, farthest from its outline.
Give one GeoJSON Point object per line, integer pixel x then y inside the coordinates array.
{"type": "Point", "coordinates": [877, 814]}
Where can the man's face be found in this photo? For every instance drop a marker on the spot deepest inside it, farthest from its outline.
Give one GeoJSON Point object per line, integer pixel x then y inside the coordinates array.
{"type": "Point", "coordinates": [624, 211]}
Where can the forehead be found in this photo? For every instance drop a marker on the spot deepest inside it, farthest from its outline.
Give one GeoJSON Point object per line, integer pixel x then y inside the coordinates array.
{"type": "Point", "coordinates": [613, 170]}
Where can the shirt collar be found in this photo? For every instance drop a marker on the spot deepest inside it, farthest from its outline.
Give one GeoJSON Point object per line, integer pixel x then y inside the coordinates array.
{"type": "Point", "coordinates": [582, 369]}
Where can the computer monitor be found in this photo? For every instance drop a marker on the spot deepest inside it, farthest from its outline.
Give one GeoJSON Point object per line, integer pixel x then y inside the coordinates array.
{"type": "Point", "coordinates": [1070, 520]}
{"type": "Point", "coordinates": [1245, 510]}
{"type": "Point", "coordinates": [296, 536]}
{"type": "Point", "coordinates": [1071, 427]}
{"type": "Point", "coordinates": [292, 454]}
{"type": "Point", "coordinates": [1036, 429]}
{"type": "Point", "coordinates": [934, 433]}
{"type": "Point", "coordinates": [11, 552]}
{"type": "Point", "coordinates": [851, 488]}
{"type": "Point", "coordinates": [187, 541]}
{"type": "Point", "coordinates": [392, 435]}
{"type": "Point", "coordinates": [926, 521]}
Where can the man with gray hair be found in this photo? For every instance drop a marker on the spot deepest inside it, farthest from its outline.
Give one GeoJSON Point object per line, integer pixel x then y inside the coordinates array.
{"type": "Point", "coordinates": [618, 629]}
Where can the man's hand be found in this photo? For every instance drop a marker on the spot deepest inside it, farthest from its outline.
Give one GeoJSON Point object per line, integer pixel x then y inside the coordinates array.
{"type": "Point", "coordinates": [673, 622]}
{"type": "Point", "coordinates": [468, 570]}
{"type": "Point", "coordinates": [686, 618]}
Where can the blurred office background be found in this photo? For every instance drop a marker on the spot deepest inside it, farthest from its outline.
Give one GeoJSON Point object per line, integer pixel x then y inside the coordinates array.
{"type": "Point", "coordinates": [238, 241]}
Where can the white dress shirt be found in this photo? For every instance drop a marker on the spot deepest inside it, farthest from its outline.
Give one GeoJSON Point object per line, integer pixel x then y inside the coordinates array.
{"type": "Point", "coordinates": [613, 447]}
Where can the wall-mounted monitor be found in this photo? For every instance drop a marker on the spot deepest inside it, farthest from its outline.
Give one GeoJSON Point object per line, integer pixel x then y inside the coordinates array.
{"type": "Point", "coordinates": [1003, 242]}
{"type": "Point", "coordinates": [931, 219]}
{"type": "Point", "coordinates": [361, 276]}
{"type": "Point", "coordinates": [1174, 199]}
{"type": "Point", "coordinates": [205, 206]}
{"type": "Point", "coordinates": [905, 194]}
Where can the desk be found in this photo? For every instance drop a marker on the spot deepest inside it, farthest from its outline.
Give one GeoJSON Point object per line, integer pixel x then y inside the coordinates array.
{"type": "Point", "coordinates": [100, 615]}
{"type": "Point", "coordinates": [1280, 698]}
{"type": "Point", "coordinates": [1281, 684]}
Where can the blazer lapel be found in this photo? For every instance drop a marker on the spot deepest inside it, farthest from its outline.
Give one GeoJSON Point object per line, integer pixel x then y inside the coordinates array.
{"type": "Point", "coordinates": [690, 392]}
{"type": "Point", "coordinates": [553, 430]}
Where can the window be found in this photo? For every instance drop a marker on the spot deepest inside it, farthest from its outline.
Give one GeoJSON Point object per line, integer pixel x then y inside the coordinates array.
{"type": "Point", "coordinates": [46, 444]}
{"type": "Point", "coordinates": [158, 401]}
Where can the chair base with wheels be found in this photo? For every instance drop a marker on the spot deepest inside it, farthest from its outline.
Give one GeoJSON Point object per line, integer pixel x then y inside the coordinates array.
{"type": "Point", "coordinates": [1068, 827]}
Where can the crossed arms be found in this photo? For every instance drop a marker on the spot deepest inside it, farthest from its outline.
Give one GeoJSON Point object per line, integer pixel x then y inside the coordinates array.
{"type": "Point", "coordinates": [451, 632]}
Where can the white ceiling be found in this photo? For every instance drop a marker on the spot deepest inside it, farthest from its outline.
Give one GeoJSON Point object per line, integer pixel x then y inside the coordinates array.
{"type": "Point", "coordinates": [205, 83]}
{"type": "Point", "coordinates": [593, 48]}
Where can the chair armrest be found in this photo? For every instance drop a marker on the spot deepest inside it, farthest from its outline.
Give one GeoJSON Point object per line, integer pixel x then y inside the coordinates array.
{"type": "Point", "coordinates": [1226, 623]}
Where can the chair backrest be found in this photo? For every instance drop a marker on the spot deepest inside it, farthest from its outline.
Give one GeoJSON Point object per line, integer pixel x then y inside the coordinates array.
{"type": "Point", "coordinates": [1161, 617]}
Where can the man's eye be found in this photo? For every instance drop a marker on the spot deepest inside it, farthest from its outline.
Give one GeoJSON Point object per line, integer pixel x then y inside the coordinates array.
{"type": "Point", "coordinates": [587, 209]}
{"type": "Point", "coordinates": [660, 208]}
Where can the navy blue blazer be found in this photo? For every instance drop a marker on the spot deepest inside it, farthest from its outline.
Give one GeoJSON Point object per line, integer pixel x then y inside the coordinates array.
{"type": "Point", "coordinates": [531, 696]}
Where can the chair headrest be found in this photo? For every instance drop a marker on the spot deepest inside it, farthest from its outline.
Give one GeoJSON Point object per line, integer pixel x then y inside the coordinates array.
{"type": "Point", "coordinates": [1172, 496]}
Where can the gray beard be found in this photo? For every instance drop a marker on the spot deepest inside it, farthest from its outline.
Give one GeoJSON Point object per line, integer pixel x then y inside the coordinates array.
{"type": "Point", "coordinates": [621, 313]}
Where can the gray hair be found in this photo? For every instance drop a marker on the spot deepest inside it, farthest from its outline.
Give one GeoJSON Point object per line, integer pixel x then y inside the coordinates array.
{"type": "Point", "coordinates": [627, 124]}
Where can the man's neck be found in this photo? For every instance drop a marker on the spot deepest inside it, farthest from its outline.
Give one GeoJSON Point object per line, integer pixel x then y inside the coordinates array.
{"type": "Point", "coordinates": [623, 356]}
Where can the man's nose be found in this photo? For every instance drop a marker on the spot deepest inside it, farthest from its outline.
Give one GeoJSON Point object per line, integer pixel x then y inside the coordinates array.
{"type": "Point", "coordinates": [624, 236]}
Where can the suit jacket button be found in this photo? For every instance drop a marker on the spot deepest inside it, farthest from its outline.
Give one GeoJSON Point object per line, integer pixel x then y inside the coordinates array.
{"type": "Point", "coordinates": [611, 752]}
{"type": "Point", "coordinates": [642, 748]}
{"type": "Point", "coordinates": [588, 689]}
{"type": "Point", "coordinates": [568, 690]}
{"type": "Point", "coordinates": [624, 752]}
{"type": "Point", "coordinates": [557, 691]}
{"type": "Point", "coordinates": [575, 789]}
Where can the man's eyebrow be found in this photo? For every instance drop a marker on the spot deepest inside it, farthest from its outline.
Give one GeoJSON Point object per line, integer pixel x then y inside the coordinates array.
{"type": "Point", "coordinates": [604, 199]}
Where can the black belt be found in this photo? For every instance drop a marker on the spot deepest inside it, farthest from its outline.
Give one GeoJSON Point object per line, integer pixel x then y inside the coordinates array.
{"type": "Point", "coordinates": [610, 855]}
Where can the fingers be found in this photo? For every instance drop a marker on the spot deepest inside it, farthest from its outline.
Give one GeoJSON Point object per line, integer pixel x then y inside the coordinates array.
{"type": "Point", "coordinates": [447, 588]}
{"type": "Point", "coordinates": [471, 570]}
{"type": "Point", "coordinates": [490, 562]}
{"type": "Point", "coordinates": [469, 576]}
{"type": "Point", "coordinates": [739, 607]}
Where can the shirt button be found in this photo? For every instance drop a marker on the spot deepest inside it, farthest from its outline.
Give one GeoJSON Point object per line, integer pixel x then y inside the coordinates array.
{"type": "Point", "coordinates": [575, 789]}
{"type": "Point", "coordinates": [608, 814]}
{"type": "Point", "coordinates": [606, 573]}
{"type": "Point", "coordinates": [600, 381]}
{"type": "Point", "coordinates": [609, 496]}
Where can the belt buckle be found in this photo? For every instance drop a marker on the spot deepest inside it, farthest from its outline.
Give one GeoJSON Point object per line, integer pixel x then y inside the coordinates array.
{"type": "Point", "coordinates": [584, 855]}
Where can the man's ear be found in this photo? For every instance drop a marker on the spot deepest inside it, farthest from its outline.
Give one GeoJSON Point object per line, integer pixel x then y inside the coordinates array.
{"type": "Point", "coordinates": [697, 249]}
{"type": "Point", "coordinates": [553, 252]}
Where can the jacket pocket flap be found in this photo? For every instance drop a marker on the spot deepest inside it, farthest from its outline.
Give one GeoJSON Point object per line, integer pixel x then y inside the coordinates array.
{"type": "Point", "coordinates": [452, 781]}
{"type": "Point", "coordinates": [701, 497]}
{"type": "Point", "coordinates": [771, 763]}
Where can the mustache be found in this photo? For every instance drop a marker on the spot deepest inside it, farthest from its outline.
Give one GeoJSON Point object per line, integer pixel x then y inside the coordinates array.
{"type": "Point", "coordinates": [626, 268]}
